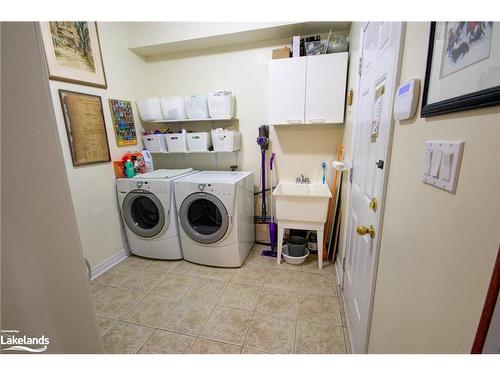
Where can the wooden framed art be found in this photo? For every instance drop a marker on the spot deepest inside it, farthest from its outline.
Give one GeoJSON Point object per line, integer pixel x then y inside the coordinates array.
{"type": "Point", "coordinates": [85, 128]}
{"type": "Point", "coordinates": [73, 52]}
{"type": "Point", "coordinates": [123, 122]}
{"type": "Point", "coordinates": [463, 67]}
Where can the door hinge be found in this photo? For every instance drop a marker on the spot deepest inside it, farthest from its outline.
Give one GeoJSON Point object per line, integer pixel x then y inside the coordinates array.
{"type": "Point", "coordinates": [360, 64]}
{"type": "Point", "coordinates": [380, 164]}
{"type": "Point", "coordinates": [343, 264]}
{"type": "Point", "coordinates": [351, 172]}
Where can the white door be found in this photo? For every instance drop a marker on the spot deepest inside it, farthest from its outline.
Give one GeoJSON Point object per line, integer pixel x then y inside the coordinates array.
{"type": "Point", "coordinates": [372, 133]}
{"type": "Point", "coordinates": [325, 88]}
{"type": "Point", "coordinates": [287, 87]}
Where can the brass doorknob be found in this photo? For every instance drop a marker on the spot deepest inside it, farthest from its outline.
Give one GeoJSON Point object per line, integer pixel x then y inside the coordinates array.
{"type": "Point", "coordinates": [362, 230]}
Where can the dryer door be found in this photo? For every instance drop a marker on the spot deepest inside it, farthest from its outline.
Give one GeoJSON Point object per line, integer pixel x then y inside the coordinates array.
{"type": "Point", "coordinates": [204, 218]}
{"type": "Point", "coordinates": [143, 213]}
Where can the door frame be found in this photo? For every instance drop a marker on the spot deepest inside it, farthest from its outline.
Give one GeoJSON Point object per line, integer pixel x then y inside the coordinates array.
{"type": "Point", "coordinates": [382, 199]}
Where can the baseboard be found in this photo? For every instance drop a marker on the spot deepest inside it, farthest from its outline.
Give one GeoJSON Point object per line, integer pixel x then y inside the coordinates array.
{"type": "Point", "coordinates": [108, 263]}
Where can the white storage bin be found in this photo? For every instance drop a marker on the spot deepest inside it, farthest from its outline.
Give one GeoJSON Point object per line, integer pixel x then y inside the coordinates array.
{"type": "Point", "coordinates": [220, 104]}
{"type": "Point", "coordinates": [225, 140]}
{"type": "Point", "coordinates": [199, 141]}
{"type": "Point", "coordinates": [173, 108]}
{"type": "Point", "coordinates": [196, 106]}
{"type": "Point", "coordinates": [149, 109]}
{"type": "Point", "coordinates": [154, 142]}
{"type": "Point", "coordinates": [176, 142]}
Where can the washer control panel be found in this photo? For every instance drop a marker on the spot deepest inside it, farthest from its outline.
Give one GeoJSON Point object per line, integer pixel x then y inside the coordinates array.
{"type": "Point", "coordinates": [216, 189]}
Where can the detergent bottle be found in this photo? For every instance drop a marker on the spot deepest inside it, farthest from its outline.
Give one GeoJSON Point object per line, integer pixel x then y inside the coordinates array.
{"type": "Point", "coordinates": [148, 160]}
{"type": "Point", "coordinates": [129, 169]}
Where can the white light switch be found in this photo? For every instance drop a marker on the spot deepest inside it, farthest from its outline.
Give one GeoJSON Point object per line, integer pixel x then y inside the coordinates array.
{"type": "Point", "coordinates": [441, 164]}
{"type": "Point", "coordinates": [446, 164]}
{"type": "Point", "coordinates": [436, 163]}
{"type": "Point", "coordinates": [427, 162]}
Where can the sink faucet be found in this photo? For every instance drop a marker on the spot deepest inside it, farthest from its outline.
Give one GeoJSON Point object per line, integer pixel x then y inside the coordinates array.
{"type": "Point", "coordinates": [302, 180]}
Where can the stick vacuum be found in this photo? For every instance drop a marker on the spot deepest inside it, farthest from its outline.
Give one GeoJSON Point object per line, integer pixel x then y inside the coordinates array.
{"type": "Point", "coordinates": [263, 142]}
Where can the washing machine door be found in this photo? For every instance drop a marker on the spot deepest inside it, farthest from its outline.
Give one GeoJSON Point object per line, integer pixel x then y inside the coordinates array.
{"type": "Point", "coordinates": [143, 213]}
{"type": "Point", "coordinates": [204, 218]}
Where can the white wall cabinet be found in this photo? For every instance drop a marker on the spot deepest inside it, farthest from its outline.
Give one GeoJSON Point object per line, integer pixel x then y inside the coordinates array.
{"type": "Point", "coordinates": [307, 90]}
{"type": "Point", "coordinates": [287, 85]}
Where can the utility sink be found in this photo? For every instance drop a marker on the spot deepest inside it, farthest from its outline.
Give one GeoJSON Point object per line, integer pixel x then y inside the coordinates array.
{"type": "Point", "coordinates": [302, 202]}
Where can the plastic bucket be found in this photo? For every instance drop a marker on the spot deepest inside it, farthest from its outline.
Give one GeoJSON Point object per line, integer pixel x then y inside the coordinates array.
{"type": "Point", "coordinates": [296, 246]}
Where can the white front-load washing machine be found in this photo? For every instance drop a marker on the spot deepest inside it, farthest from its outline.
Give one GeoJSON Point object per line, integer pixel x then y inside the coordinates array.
{"type": "Point", "coordinates": [216, 216]}
{"type": "Point", "coordinates": [147, 204]}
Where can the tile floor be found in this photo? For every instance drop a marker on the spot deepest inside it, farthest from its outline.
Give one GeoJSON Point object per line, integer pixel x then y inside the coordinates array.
{"type": "Point", "coordinates": [148, 306]}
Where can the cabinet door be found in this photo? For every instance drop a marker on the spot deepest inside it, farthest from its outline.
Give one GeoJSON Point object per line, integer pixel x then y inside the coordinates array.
{"type": "Point", "coordinates": [286, 92]}
{"type": "Point", "coordinates": [325, 88]}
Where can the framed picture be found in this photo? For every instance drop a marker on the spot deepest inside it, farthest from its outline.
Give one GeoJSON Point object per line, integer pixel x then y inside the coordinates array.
{"type": "Point", "coordinates": [123, 122]}
{"type": "Point", "coordinates": [463, 67]}
{"type": "Point", "coordinates": [73, 52]}
{"type": "Point", "coordinates": [85, 127]}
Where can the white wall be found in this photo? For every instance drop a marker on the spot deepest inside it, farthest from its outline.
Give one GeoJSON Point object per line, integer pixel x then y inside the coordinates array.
{"type": "Point", "coordinates": [299, 149]}
{"type": "Point", "coordinates": [438, 249]}
{"type": "Point", "coordinates": [93, 187]}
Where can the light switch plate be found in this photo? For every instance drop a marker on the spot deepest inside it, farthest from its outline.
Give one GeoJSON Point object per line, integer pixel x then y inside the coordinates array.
{"type": "Point", "coordinates": [441, 164]}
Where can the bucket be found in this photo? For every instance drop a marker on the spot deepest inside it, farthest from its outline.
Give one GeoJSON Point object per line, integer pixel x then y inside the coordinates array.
{"type": "Point", "coordinates": [296, 246]}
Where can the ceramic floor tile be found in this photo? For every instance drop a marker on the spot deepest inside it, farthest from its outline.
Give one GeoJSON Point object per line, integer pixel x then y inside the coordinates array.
{"type": "Point", "coordinates": [311, 265]}
{"type": "Point", "coordinates": [186, 268]}
{"type": "Point", "coordinates": [317, 284]}
{"type": "Point", "coordinates": [271, 333]}
{"type": "Point", "coordinates": [173, 286]}
{"type": "Point", "coordinates": [202, 346]}
{"type": "Point", "coordinates": [250, 275]}
{"type": "Point", "coordinates": [105, 324]}
{"type": "Point", "coordinates": [144, 280]}
{"type": "Point", "coordinates": [98, 291]}
{"type": "Point", "coordinates": [281, 278]}
{"type": "Point", "coordinates": [125, 338]}
{"type": "Point", "coordinates": [257, 260]}
{"type": "Point", "coordinates": [319, 338]}
{"type": "Point", "coordinates": [217, 273]}
{"type": "Point", "coordinates": [151, 311]}
{"type": "Point", "coordinates": [277, 301]}
{"type": "Point", "coordinates": [116, 277]}
{"type": "Point", "coordinates": [132, 264]}
{"type": "Point", "coordinates": [252, 351]}
{"type": "Point", "coordinates": [227, 325]}
{"type": "Point", "coordinates": [162, 266]}
{"type": "Point", "coordinates": [316, 308]}
{"type": "Point", "coordinates": [206, 290]}
{"type": "Point", "coordinates": [240, 296]}
{"type": "Point", "coordinates": [117, 303]}
{"type": "Point", "coordinates": [163, 342]}
{"type": "Point", "coordinates": [187, 317]}
{"type": "Point", "coordinates": [284, 266]}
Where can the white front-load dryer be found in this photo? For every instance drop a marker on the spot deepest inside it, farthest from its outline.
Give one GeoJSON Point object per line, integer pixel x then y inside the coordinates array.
{"type": "Point", "coordinates": [216, 211]}
{"type": "Point", "coordinates": [147, 204]}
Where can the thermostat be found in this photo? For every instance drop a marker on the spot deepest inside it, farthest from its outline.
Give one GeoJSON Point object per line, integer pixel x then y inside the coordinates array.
{"type": "Point", "coordinates": [406, 100]}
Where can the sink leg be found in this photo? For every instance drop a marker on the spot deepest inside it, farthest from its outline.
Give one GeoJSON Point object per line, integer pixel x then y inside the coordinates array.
{"type": "Point", "coordinates": [281, 233]}
{"type": "Point", "coordinates": [319, 239]}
